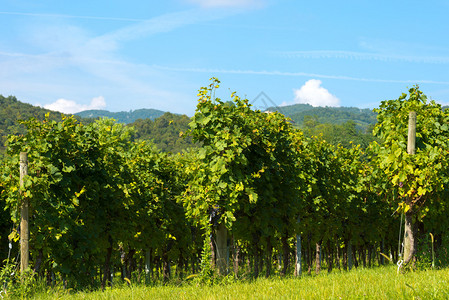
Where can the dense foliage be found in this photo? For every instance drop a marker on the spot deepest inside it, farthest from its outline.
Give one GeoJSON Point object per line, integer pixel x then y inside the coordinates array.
{"type": "Point", "coordinates": [421, 176]}
{"type": "Point", "coordinates": [299, 113]}
{"type": "Point", "coordinates": [164, 132]}
{"type": "Point", "coordinates": [255, 193]}
{"type": "Point", "coordinates": [346, 134]}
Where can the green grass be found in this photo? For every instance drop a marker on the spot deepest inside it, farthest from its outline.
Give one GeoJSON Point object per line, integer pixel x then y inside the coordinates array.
{"type": "Point", "coordinates": [377, 283]}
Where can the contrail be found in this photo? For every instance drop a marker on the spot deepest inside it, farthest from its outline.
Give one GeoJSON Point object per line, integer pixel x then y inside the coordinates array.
{"type": "Point", "coordinates": [70, 16]}
{"type": "Point", "coordinates": [296, 74]}
{"type": "Point", "coordinates": [364, 56]}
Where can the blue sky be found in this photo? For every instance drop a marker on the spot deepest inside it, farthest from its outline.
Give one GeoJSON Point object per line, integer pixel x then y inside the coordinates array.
{"type": "Point", "coordinates": [126, 55]}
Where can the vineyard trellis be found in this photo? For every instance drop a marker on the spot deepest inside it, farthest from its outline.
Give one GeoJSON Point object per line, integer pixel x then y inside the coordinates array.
{"type": "Point", "coordinates": [102, 203]}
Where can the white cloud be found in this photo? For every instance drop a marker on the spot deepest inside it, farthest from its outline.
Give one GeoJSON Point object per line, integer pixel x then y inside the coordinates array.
{"type": "Point", "coordinates": [314, 94]}
{"type": "Point", "coordinates": [227, 3]}
{"type": "Point", "coordinates": [71, 107]}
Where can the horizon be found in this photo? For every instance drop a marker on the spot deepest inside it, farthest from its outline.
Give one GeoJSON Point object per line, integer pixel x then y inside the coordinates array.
{"type": "Point", "coordinates": [280, 106]}
{"type": "Point", "coordinates": [72, 57]}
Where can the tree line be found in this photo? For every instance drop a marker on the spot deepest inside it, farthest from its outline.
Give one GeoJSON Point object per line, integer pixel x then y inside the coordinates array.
{"type": "Point", "coordinates": [163, 128]}
{"type": "Point", "coordinates": [256, 197]}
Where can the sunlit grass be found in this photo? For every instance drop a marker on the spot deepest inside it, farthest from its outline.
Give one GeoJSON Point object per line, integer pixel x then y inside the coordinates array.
{"type": "Point", "coordinates": [378, 283]}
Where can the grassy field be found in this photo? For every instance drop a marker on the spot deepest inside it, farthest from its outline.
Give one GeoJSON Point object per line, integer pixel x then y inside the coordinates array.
{"type": "Point", "coordinates": [377, 283]}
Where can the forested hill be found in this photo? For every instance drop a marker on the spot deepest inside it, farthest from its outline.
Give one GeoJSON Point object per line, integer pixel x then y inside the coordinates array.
{"type": "Point", "coordinates": [164, 132]}
{"type": "Point", "coordinates": [154, 125]}
{"type": "Point", "coordinates": [328, 115]}
{"type": "Point", "coordinates": [123, 116]}
{"type": "Point", "coordinates": [338, 125]}
{"type": "Point", "coordinates": [297, 112]}
{"type": "Point", "coordinates": [150, 124]}
{"type": "Point", "coordinates": [12, 110]}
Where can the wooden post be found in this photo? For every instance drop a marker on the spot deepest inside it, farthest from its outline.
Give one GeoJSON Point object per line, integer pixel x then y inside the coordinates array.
{"type": "Point", "coordinates": [148, 267]}
{"type": "Point", "coordinates": [222, 248]}
{"type": "Point", "coordinates": [382, 250]}
{"type": "Point", "coordinates": [409, 233]}
{"type": "Point", "coordinates": [411, 133]}
{"type": "Point", "coordinates": [349, 254]}
{"type": "Point", "coordinates": [318, 258]}
{"type": "Point", "coordinates": [24, 234]}
{"type": "Point", "coordinates": [298, 266]}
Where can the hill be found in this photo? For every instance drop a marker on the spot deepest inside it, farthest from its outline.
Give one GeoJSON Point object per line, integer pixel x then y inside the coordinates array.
{"type": "Point", "coordinates": [164, 132]}
{"type": "Point", "coordinates": [123, 116]}
{"type": "Point", "coordinates": [337, 124]}
{"type": "Point", "coordinates": [151, 124]}
{"type": "Point", "coordinates": [12, 110]}
{"type": "Point", "coordinates": [328, 115]}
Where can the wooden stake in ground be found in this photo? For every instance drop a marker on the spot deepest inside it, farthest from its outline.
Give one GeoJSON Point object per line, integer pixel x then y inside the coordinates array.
{"type": "Point", "coordinates": [409, 234]}
{"type": "Point", "coordinates": [411, 133]}
{"type": "Point", "coordinates": [24, 204]}
{"type": "Point", "coordinates": [349, 255]}
{"type": "Point", "coordinates": [222, 249]}
{"type": "Point", "coordinates": [298, 265]}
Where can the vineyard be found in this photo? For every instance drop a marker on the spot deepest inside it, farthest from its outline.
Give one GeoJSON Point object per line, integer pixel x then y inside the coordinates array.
{"type": "Point", "coordinates": [255, 199]}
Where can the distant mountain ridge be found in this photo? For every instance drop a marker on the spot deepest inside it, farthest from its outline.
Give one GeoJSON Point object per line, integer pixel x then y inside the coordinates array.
{"type": "Point", "coordinates": [123, 116]}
